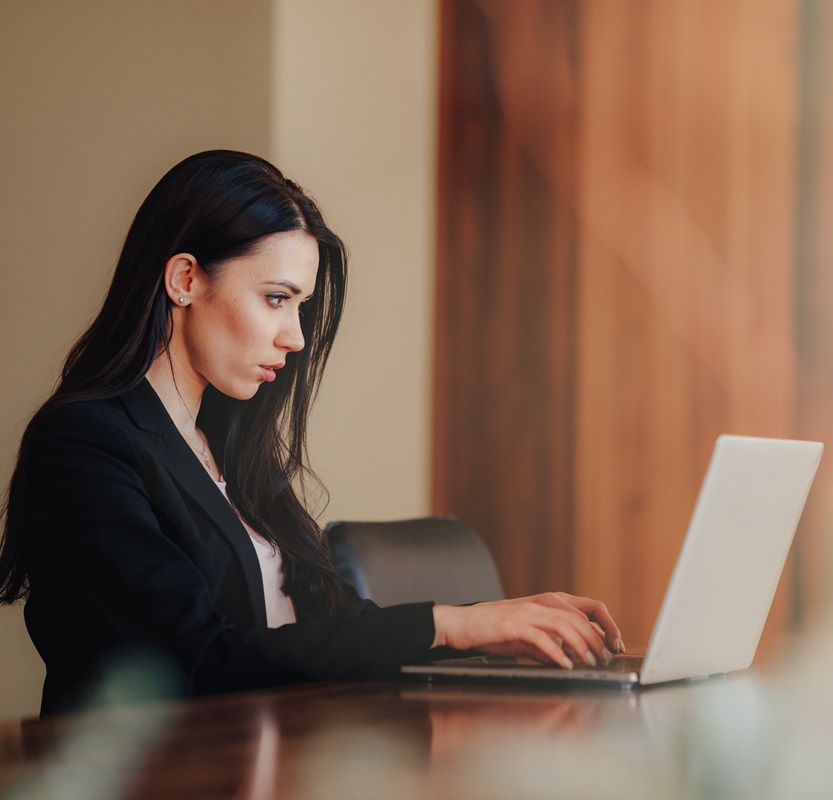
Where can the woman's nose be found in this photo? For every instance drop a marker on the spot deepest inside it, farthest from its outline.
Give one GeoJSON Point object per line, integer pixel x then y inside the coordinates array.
{"type": "Point", "coordinates": [291, 337]}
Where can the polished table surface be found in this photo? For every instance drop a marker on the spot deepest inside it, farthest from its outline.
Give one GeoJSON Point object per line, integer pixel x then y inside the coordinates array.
{"type": "Point", "coordinates": [720, 738]}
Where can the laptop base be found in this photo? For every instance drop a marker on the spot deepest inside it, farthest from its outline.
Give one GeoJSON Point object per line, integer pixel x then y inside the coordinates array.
{"type": "Point", "coordinates": [622, 672]}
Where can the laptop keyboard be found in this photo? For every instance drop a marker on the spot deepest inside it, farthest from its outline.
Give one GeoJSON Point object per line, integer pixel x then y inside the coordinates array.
{"type": "Point", "coordinates": [619, 663]}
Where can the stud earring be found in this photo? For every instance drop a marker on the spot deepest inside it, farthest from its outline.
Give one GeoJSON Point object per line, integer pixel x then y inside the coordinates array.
{"type": "Point", "coordinates": [183, 301]}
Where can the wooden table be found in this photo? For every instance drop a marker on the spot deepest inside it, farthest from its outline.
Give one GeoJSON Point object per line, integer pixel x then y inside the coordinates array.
{"type": "Point", "coordinates": [400, 741]}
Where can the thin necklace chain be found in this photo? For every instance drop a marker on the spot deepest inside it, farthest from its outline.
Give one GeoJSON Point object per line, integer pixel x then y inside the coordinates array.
{"type": "Point", "coordinates": [201, 451]}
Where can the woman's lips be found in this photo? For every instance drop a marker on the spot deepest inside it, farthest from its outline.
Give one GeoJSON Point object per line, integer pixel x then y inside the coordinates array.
{"type": "Point", "coordinates": [268, 372]}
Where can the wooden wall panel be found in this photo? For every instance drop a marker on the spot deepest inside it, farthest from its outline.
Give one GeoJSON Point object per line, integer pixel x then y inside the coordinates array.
{"type": "Point", "coordinates": [685, 282]}
{"type": "Point", "coordinates": [615, 275]}
{"type": "Point", "coordinates": [506, 284]}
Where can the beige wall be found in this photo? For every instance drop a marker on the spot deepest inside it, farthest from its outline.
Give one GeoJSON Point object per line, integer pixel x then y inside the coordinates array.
{"type": "Point", "coordinates": [355, 123]}
{"type": "Point", "coordinates": [99, 97]}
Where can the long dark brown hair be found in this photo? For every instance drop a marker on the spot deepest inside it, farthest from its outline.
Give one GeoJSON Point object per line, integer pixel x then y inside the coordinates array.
{"type": "Point", "coordinates": [216, 205]}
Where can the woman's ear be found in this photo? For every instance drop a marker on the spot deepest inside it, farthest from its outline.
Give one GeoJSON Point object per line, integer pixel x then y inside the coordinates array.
{"type": "Point", "coordinates": [182, 278]}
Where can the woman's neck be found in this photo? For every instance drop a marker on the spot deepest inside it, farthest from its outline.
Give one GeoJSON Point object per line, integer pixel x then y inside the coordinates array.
{"type": "Point", "coordinates": [181, 397]}
{"type": "Point", "coordinates": [180, 393]}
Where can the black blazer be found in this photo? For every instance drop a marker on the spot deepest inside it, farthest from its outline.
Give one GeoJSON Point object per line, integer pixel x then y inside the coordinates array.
{"type": "Point", "coordinates": [130, 544]}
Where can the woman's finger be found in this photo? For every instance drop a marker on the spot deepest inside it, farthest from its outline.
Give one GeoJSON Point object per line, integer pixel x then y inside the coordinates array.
{"type": "Point", "coordinates": [545, 644]}
{"type": "Point", "coordinates": [576, 631]}
{"type": "Point", "coordinates": [583, 641]}
{"type": "Point", "coordinates": [596, 611]}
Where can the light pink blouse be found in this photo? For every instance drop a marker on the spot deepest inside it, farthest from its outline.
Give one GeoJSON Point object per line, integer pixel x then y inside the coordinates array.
{"type": "Point", "coordinates": [279, 608]}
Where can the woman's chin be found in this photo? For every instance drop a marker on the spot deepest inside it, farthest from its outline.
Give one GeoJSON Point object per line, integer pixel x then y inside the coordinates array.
{"type": "Point", "coordinates": [239, 391]}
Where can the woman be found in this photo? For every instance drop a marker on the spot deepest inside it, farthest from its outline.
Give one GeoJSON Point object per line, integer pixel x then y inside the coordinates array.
{"type": "Point", "coordinates": [155, 502]}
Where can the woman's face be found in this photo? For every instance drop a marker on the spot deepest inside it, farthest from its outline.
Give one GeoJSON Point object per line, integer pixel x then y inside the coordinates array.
{"type": "Point", "coordinates": [240, 326]}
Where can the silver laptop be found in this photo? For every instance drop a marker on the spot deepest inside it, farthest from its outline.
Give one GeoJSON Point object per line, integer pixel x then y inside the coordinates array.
{"type": "Point", "coordinates": [722, 587]}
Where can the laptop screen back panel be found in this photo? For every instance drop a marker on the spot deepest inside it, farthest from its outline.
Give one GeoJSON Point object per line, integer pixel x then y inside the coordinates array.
{"type": "Point", "coordinates": [725, 579]}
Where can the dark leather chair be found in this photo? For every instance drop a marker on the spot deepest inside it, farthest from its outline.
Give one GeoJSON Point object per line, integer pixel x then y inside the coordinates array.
{"type": "Point", "coordinates": [432, 558]}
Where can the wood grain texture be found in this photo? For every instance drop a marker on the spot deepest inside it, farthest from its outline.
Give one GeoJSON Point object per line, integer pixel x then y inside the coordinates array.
{"type": "Point", "coordinates": [391, 740]}
{"type": "Point", "coordinates": [506, 284]}
{"type": "Point", "coordinates": [615, 278]}
{"type": "Point", "coordinates": [686, 274]}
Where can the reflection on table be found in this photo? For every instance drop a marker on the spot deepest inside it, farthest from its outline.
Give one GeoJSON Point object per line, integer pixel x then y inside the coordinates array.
{"type": "Point", "coordinates": [731, 737]}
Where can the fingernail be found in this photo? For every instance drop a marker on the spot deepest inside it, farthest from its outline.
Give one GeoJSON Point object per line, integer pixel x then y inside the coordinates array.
{"type": "Point", "coordinates": [620, 645]}
{"type": "Point", "coordinates": [607, 655]}
{"type": "Point", "coordinates": [590, 659]}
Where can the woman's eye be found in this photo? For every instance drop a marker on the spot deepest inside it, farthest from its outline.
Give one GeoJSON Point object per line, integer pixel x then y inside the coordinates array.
{"type": "Point", "coordinates": [276, 300]}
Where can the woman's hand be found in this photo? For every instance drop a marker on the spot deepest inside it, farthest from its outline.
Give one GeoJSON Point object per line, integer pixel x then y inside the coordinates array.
{"type": "Point", "coordinates": [537, 627]}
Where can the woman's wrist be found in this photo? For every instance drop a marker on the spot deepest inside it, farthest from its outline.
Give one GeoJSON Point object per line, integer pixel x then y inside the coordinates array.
{"type": "Point", "coordinates": [442, 615]}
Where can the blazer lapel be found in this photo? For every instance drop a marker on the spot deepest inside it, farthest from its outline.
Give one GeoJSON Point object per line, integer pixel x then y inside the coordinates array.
{"type": "Point", "coordinates": [183, 465]}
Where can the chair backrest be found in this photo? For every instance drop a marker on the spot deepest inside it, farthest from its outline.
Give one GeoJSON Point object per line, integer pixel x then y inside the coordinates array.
{"type": "Point", "coordinates": [432, 558]}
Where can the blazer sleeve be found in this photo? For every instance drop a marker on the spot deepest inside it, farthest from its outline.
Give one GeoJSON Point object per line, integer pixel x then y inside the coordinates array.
{"type": "Point", "coordinates": [94, 537]}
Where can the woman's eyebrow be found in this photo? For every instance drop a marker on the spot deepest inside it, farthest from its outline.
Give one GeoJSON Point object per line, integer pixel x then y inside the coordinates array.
{"type": "Point", "coordinates": [287, 285]}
